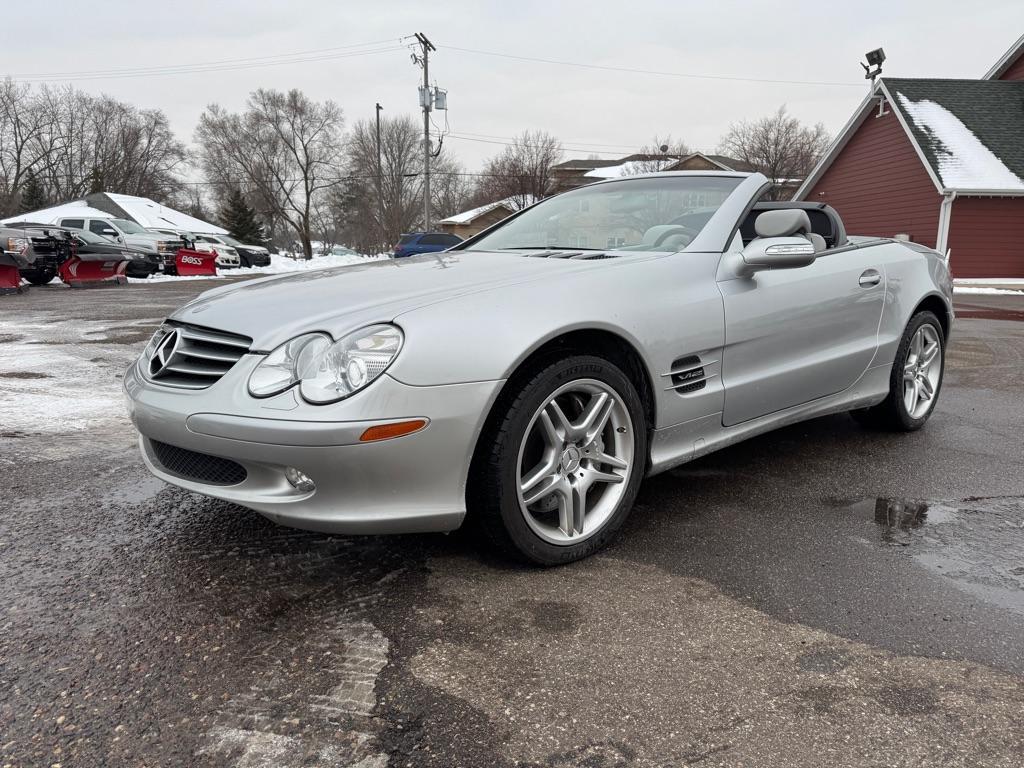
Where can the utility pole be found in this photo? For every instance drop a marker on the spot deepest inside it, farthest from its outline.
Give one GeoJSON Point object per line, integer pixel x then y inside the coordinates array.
{"type": "Point", "coordinates": [380, 185]}
{"type": "Point", "coordinates": [426, 101]}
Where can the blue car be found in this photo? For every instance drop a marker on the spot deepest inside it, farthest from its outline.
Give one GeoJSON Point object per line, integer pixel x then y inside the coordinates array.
{"type": "Point", "coordinates": [424, 242]}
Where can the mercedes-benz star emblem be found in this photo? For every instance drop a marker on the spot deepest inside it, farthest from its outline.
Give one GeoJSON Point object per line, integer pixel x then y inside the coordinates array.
{"type": "Point", "coordinates": [163, 353]}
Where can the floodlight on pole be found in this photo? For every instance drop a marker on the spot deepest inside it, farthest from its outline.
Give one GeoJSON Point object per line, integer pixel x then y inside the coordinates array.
{"type": "Point", "coordinates": [873, 68]}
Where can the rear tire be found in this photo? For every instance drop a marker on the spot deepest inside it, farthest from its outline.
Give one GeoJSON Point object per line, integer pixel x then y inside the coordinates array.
{"type": "Point", "coordinates": [915, 380]}
{"type": "Point", "coordinates": [559, 465]}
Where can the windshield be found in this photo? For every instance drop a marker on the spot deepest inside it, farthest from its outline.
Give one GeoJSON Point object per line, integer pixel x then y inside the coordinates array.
{"type": "Point", "coordinates": [130, 227]}
{"type": "Point", "coordinates": [647, 214]}
{"type": "Point", "coordinates": [229, 240]}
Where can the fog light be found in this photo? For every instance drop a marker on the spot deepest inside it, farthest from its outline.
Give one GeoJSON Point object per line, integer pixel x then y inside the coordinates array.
{"type": "Point", "coordinates": [299, 480]}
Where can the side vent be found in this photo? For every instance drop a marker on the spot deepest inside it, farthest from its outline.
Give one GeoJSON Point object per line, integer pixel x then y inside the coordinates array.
{"type": "Point", "coordinates": [688, 375]}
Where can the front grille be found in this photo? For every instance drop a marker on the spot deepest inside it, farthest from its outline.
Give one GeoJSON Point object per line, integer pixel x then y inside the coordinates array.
{"type": "Point", "coordinates": [195, 357]}
{"type": "Point", "coordinates": [200, 467]}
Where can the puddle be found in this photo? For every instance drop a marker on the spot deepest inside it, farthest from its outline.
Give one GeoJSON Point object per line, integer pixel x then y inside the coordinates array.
{"type": "Point", "coordinates": [976, 543]}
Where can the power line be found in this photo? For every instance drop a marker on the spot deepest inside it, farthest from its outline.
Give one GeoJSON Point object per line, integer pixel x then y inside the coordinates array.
{"type": "Point", "coordinates": [631, 70]}
{"type": "Point", "coordinates": [324, 54]}
{"type": "Point", "coordinates": [537, 146]}
{"type": "Point", "coordinates": [624, 147]}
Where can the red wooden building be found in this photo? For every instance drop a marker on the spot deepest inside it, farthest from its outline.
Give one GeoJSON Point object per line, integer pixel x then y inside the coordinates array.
{"type": "Point", "coordinates": [940, 161]}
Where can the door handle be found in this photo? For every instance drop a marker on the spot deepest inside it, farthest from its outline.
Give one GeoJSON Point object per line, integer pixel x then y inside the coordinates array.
{"type": "Point", "coordinates": [869, 278]}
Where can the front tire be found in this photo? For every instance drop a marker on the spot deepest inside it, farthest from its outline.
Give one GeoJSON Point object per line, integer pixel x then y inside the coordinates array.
{"type": "Point", "coordinates": [39, 276]}
{"type": "Point", "coordinates": [559, 466]}
{"type": "Point", "coordinates": [915, 380]}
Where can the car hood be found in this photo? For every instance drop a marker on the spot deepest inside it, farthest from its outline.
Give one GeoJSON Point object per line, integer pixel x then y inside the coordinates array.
{"type": "Point", "coordinates": [340, 299]}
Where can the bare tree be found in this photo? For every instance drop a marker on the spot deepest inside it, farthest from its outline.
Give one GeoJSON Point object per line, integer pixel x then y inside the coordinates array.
{"type": "Point", "coordinates": [451, 188]}
{"type": "Point", "coordinates": [521, 173]}
{"type": "Point", "coordinates": [355, 211]}
{"type": "Point", "coordinates": [401, 147]}
{"type": "Point", "coordinates": [96, 143]}
{"type": "Point", "coordinates": [285, 146]}
{"type": "Point", "coordinates": [72, 143]}
{"type": "Point", "coordinates": [779, 146]}
{"type": "Point", "coordinates": [21, 123]}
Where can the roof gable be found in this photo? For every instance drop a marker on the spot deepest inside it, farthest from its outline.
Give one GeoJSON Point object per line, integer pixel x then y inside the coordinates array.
{"type": "Point", "coordinates": [1007, 60]}
{"type": "Point", "coordinates": [968, 131]}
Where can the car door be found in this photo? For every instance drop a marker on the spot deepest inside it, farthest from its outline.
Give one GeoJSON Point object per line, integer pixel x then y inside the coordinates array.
{"type": "Point", "coordinates": [795, 335]}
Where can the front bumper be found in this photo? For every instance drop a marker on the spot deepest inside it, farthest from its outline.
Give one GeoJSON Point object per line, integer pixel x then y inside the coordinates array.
{"type": "Point", "coordinates": [408, 484]}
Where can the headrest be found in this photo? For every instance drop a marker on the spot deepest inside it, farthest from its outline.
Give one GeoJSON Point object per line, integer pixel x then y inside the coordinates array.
{"type": "Point", "coordinates": [782, 223]}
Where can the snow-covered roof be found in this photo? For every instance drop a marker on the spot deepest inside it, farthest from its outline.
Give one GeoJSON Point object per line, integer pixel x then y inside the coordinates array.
{"type": "Point", "coordinates": [629, 168]}
{"type": "Point", "coordinates": [142, 210]}
{"type": "Point", "coordinates": [466, 217]}
{"type": "Point", "coordinates": [77, 208]}
{"type": "Point", "coordinates": [149, 213]}
{"type": "Point", "coordinates": [966, 132]}
{"type": "Point", "coordinates": [963, 161]}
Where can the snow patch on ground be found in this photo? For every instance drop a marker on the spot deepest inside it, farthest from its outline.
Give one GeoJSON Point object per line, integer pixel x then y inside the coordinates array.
{"type": "Point", "coordinates": [1008, 282]}
{"type": "Point", "coordinates": [986, 291]}
{"type": "Point", "coordinates": [964, 162]}
{"type": "Point", "coordinates": [57, 379]}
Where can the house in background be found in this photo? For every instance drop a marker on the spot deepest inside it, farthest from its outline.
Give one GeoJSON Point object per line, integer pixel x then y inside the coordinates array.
{"type": "Point", "coordinates": [576, 173]}
{"type": "Point", "coordinates": [940, 161]}
{"type": "Point", "coordinates": [472, 222]}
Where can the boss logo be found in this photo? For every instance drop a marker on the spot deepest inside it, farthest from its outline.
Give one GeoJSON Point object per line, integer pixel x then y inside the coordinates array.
{"type": "Point", "coordinates": [192, 260]}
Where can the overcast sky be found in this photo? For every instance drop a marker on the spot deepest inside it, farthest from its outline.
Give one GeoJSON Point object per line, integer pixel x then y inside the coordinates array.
{"type": "Point", "coordinates": [490, 97]}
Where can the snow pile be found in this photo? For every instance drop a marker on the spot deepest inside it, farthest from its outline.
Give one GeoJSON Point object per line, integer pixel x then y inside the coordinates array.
{"type": "Point", "coordinates": [964, 162]}
{"type": "Point", "coordinates": [632, 168]}
{"type": "Point", "coordinates": [279, 265]}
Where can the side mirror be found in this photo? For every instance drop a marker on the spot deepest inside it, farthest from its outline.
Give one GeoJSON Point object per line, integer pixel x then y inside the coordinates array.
{"type": "Point", "coordinates": [777, 253]}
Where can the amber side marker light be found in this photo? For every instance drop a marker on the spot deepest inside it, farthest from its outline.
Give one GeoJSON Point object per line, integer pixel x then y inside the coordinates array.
{"type": "Point", "coordinates": [388, 431]}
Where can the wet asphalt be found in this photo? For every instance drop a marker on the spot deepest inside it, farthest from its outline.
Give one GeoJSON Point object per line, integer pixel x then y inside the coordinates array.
{"type": "Point", "coordinates": [821, 595]}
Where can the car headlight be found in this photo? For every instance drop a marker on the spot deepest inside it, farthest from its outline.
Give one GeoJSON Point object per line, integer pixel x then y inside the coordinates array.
{"type": "Point", "coordinates": [325, 370]}
{"type": "Point", "coordinates": [17, 244]}
{"type": "Point", "coordinates": [288, 364]}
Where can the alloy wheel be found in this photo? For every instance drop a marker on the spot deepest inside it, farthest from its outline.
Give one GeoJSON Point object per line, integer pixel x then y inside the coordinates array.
{"type": "Point", "coordinates": [575, 461]}
{"type": "Point", "coordinates": [922, 371]}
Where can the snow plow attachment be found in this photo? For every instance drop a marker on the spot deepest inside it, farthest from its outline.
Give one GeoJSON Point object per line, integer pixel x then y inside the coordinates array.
{"type": "Point", "coordinates": [189, 263]}
{"type": "Point", "coordinates": [10, 279]}
{"type": "Point", "coordinates": [90, 274]}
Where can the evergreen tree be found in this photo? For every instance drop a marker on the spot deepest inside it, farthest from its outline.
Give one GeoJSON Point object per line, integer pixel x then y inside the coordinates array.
{"type": "Point", "coordinates": [33, 195]}
{"type": "Point", "coordinates": [239, 219]}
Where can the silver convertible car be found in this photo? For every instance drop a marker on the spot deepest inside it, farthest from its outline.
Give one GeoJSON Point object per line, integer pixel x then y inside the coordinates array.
{"type": "Point", "coordinates": [526, 381]}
